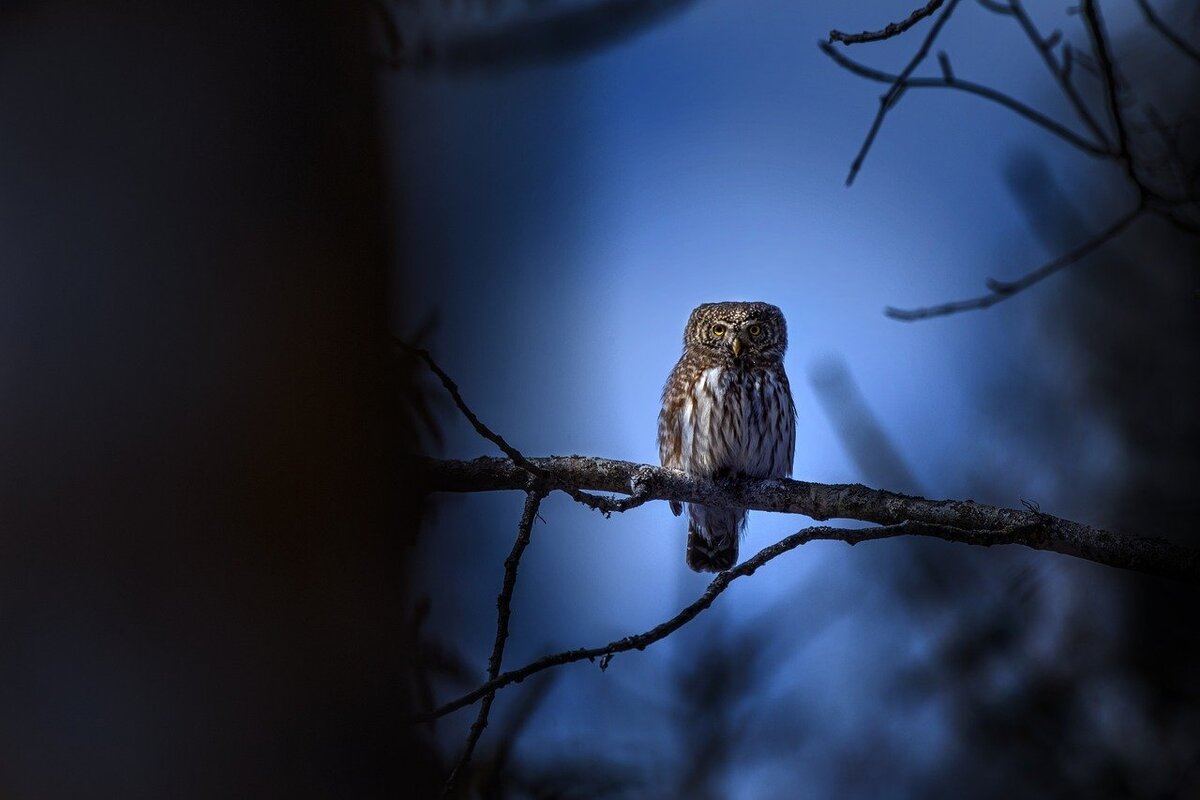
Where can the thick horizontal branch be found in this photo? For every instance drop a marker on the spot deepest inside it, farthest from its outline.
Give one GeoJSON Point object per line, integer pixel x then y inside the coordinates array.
{"type": "Point", "coordinates": [822, 502]}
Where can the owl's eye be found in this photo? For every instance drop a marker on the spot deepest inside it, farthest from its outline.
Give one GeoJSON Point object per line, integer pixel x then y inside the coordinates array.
{"type": "Point", "coordinates": [718, 330]}
{"type": "Point", "coordinates": [755, 330]}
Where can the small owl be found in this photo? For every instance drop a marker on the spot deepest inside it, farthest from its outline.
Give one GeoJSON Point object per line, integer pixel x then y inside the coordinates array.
{"type": "Point", "coordinates": [727, 411]}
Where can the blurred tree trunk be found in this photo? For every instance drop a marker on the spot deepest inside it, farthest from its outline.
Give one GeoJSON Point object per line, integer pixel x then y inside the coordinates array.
{"type": "Point", "coordinates": [200, 584]}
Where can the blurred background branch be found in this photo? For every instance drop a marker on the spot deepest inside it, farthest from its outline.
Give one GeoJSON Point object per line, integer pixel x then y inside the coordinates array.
{"type": "Point", "coordinates": [1179, 206]}
{"type": "Point", "coordinates": [455, 36]}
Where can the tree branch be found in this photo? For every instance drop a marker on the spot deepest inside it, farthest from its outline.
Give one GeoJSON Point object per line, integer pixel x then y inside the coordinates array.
{"type": "Point", "coordinates": [605, 505]}
{"type": "Point", "coordinates": [1108, 75]}
{"type": "Point", "coordinates": [893, 94]}
{"type": "Point", "coordinates": [982, 536]}
{"type": "Point", "coordinates": [1062, 74]}
{"type": "Point", "coordinates": [949, 81]}
{"type": "Point", "coordinates": [828, 501]}
{"type": "Point", "coordinates": [643, 640]}
{"type": "Point", "coordinates": [1171, 36]}
{"type": "Point", "coordinates": [1002, 290]}
{"type": "Point", "coordinates": [892, 28]}
{"type": "Point", "coordinates": [1150, 199]}
{"type": "Point", "coordinates": [533, 499]}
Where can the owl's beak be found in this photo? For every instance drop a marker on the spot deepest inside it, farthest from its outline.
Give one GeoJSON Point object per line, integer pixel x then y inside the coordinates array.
{"type": "Point", "coordinates": [736, 345]}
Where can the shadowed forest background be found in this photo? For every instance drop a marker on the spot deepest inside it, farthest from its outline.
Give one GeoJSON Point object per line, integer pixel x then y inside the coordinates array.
{"type": "Point", "coordinates": [216, 579]}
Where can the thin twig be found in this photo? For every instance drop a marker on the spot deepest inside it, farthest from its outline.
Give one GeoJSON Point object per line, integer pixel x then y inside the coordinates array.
{"type": "Point", "coordinates": [893, 94]}
{"type": "Point", "coordinates": [476, 423]}
{"type": "Point", "coordinates": [1002, 290]}
{"type": "Point", "coordinates": [533, 499]}
{"type": "Point", "coordinates": [1045, 48]}
{"type": "Point", "coordinates": [996, 8]}
{"type": "Point", "coordinates": [643, 640]}
{"type": "Point", "coordinates": [719, 584]}
{"type": "Point", "coordinates": [1108, 76]}
{"type": "Point", "coordinates": [826, 501]}
{"type": "Point", "coordinates": [605, 505]}
{"type": "Point", "coordinates": [1162, 27]}
{"type": "Point", "coordinates": [892, 28]}
{"type": "Point", "coordinates": [986, 92]}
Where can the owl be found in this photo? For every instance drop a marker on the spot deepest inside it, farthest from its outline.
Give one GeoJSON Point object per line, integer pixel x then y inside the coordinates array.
{"type": "Point", "coordinates": [727, 410]}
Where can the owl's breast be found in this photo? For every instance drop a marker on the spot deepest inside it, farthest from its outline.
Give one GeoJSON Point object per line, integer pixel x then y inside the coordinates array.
{"type": "Point", "coordinates": [738, 421]}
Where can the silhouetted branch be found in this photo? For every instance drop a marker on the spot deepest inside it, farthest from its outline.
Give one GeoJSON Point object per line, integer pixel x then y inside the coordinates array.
{"type": "Point", "coordinates": [1061, 73]}
{"type": "Point", "coordinates": [949, 81]}
{"type": "Point", "coordinates": [1172, 206]}
{"type": "Point", "coordinates": [1028, 534]}
{"type": "Point", "coordinates": [996, 8]}
{"type": "Point", "coordinates": [894, 93]}
{"type": "Point", "coordinates": [1002, 290]}
{"type": "Point", "coordinates": [533, 500]}
{"type": "Point", "coordinates": [892, 28]}
{"type": "Point", "coordinates": [605, 505]}
{"type": "Point", "coordinates": [1171, 36]}
{"type": "Point", "coordinates": [1108, 76]}
{"type": "Point", "coordinates": [827, 501]}
{"type": "Point", "coordinates": [643, 640]}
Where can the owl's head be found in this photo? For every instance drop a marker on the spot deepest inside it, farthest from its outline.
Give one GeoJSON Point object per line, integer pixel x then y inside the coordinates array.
{"type": "Point", "coordinates": [753, 333]}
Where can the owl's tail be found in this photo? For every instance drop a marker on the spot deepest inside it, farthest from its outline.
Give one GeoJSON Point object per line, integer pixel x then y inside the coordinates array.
{"type": "Point", "coordinates": [713, 533]}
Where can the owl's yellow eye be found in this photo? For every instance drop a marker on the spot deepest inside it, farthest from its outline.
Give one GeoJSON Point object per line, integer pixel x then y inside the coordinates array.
{"type": "Point", "coordinates": [755, 330]}
{"type": "Point", "coordinates": [718, 330]}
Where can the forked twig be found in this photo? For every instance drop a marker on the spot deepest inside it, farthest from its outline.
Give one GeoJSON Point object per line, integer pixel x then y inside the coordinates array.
{"type": "Point", "coordinates": [896, 91]}
{"type": "Point", "coordinates": [605, 505]}
{"type": "Point", "coordinates": [533, 500]}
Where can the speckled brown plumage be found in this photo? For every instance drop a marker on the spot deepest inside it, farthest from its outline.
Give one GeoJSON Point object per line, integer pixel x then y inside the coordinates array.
{"type": "Point", "coordinates": [727, 410]}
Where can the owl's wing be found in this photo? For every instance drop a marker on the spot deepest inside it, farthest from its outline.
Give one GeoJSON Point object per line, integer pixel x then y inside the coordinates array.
{"type": "Point", "coordinates": [671, 440]}
{"type": "Point", "coordinates": [783, 467]}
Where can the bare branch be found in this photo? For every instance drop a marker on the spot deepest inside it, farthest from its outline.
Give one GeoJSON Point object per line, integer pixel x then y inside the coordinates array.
{"type": "Point", "coordinates": [605, 505]}
{"type": "Point", "coordinates": [1002, 290]}
{"type": "Point", "coordinates": [829, 501]}
{"type": "Point", "coordinates": [1150, 199]}
{"type": "Point", "coordinates": [1062, 74]}
{"type": "Point", "coordinates": [892, 29]}
{"type": "Point", "coordinates": [986, 92]}
{"type": "Point", "coordinates": [982, 536]}
{"type": "Point", "coordinates": [533, 500]}
{"type": "Point", "coordinates": [1108, 75]}
{"type": "Point", "coordinates": [643, 640]}
{"type": "Point", "coordinates": [894, 93]}
{"type": "Point", "coordinates": [1162, 27]}
{"type": "Point", "coordinates": [947, 71]}
{"type": "Point", "coordinates": [476, 423]}
{"type": "Point", "coordinates": [996, 8]}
